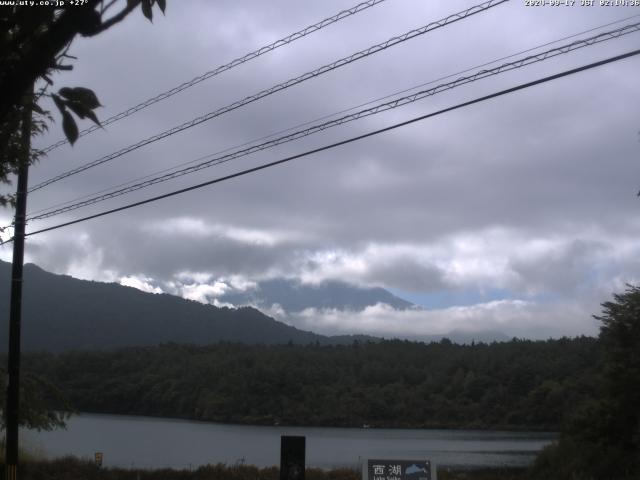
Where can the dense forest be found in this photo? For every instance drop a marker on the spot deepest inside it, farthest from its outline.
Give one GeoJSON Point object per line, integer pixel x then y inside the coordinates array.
{"type": "Point", "coordinates": [601, 439]}
{"type": "Point", "coordinates": [517, 384]}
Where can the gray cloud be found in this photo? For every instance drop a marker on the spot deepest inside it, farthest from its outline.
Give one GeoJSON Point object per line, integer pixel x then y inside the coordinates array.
{"type": "Point", "coordinates": [532, 192]}
{"type": "Point", "coordinates": [563, 268]}
{"type": "Point", "coordinates": [514, 318]}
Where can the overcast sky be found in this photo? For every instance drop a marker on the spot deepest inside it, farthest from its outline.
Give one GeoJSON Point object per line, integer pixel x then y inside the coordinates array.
{"type": "Point", "coordinates": [518, 214]}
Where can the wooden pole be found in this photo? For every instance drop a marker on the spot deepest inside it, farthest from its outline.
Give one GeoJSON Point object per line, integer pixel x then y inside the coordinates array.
{"type": "Point", "coordinates": [15, 315]}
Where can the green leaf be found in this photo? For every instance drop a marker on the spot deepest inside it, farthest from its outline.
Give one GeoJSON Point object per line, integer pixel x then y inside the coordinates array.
{"type": "Point", "coordinates": [89, 23]}
{"type": "Point", "coordinates": [162, 4]}
{"type": "Point", "coordinates": [69, 127]}
{"type": "Point", "coordinates": [146, 9]}
{"type": "Point", "coordinates": [92, 115]}
{"type": "Point", "coordinates": [82, 95]}
{"type": "Point", "coordinates": [77, 108]}
{"type": "Point", "coordinates": [59, 102]}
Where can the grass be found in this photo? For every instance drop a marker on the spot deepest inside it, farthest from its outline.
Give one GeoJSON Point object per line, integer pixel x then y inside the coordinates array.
{"type": "Point", "coordinates": [24, 454]}
{"type": "Point", "coordinates": [513, 473]}
{"type": "Point", "coordinates": [72, 468]}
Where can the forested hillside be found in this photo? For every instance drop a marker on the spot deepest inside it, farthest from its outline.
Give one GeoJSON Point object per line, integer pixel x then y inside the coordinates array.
{"type": "Point", "coordinates": [517, 384]}
{"type": "Point", "coordinates": [63, 313]}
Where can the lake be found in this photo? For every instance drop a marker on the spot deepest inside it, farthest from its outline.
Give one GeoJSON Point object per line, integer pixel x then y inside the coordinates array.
{"type": "Point", "coordinates": [143, 442]}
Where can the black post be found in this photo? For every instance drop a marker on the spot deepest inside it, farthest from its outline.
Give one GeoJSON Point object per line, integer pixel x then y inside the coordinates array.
{"type": "Point", "coordinates": [13, 387]}
{"type": "Point", "coordinates": [292, 457]}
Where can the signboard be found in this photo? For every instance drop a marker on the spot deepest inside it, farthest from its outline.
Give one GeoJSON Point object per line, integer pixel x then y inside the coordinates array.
{"type": "Point", "coordinates": [399, 470]}
{"type": "Point", "coordinates": [98, 458]}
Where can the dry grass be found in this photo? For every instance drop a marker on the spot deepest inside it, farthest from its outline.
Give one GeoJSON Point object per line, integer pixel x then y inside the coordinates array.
{"type": "Point", "coordinates": [71, 468]}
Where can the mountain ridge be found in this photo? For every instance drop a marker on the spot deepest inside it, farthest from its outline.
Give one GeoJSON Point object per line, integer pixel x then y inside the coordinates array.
{"type": "Point", "coordinates": [294, 296]}
{"type": "Point", "coordinates": [64, 313]}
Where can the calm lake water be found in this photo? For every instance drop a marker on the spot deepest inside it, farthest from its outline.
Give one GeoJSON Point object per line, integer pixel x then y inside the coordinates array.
{"type": "Point", "coordinates": [152, 443]}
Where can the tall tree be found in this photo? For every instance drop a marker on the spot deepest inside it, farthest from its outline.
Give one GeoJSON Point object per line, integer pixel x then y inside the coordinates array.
{"type": "Point", "coordinates": [620, 336]}
{"type": "Point", "coordinates": [34, 44]}
{"type": "Point", "coordinates": [603, 440]}
{"type": "Point", "coordinates": [43, 405]}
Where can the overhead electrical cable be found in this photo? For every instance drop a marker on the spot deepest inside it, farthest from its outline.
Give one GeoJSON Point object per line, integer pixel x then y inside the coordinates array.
{"type": "Point", "coordinates": [223, 68]}
{"type": "Point", "coordinates": [281, 86]}
{"type": "Point", "coordinates": [398, 102]}
{"type": "Point", "coordinates": [343, 142]}
{"type": "Point", "coordinates": [324, 117]}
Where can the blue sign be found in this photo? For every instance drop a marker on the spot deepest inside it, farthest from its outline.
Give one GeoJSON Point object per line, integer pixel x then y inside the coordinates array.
{"type": "Point", "coordinates": [399, 470]}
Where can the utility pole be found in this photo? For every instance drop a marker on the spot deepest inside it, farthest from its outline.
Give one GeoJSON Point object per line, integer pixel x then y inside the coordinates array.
{"type": "Point", "coordinates": [13, 368]}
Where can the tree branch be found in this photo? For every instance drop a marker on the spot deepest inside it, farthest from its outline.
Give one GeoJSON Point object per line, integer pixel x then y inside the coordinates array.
{"type": "Point", "coordinates": [38, 51]}
{"type": "Point", "coordinates": [131, 5]}
{"type": "Point", "coordinates": [104, 7]}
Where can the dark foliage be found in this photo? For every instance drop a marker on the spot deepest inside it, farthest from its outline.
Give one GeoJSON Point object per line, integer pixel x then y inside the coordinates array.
{"type": "Point", "coordinates": [34, 44]}
{"type": "Point", "coordinates": [517, 384]}
{"type": "Point", "coordinates": [37, 395]}
{"type": "Point", "coordinates": [602, 438]}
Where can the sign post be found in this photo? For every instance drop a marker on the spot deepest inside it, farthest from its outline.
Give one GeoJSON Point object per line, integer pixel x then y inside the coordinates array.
{"type": "Point", "coordinates": [292, 457]}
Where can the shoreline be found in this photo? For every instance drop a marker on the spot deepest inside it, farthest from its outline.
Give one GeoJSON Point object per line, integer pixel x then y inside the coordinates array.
{"type": "Point", "coordinates": [498, 429]}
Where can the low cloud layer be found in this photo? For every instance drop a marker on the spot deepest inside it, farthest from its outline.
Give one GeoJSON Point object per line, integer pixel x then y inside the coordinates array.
{"type": "Point", "coordinates": [513, 318]}
{"type": "Point", "coordinates": [547, 286]}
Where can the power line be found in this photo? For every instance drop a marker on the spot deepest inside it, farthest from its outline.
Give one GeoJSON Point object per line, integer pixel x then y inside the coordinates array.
{"type": "Point", "coordinates": [289, 83]}
{"type": "Point", "coordinates": [344, 142]}
{"type": "Point", "coordinates": [324, 117]}
{"type": "Point", "coordinates": [228, 66]}
{"type": "Point", "coordinates": [398, 102]}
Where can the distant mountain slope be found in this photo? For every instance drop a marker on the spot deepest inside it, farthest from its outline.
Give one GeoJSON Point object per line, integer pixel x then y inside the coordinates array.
{"type": "Point", "coordinates": [294, 296]}
{"type": "Point", "coordinates": [61, 313]}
